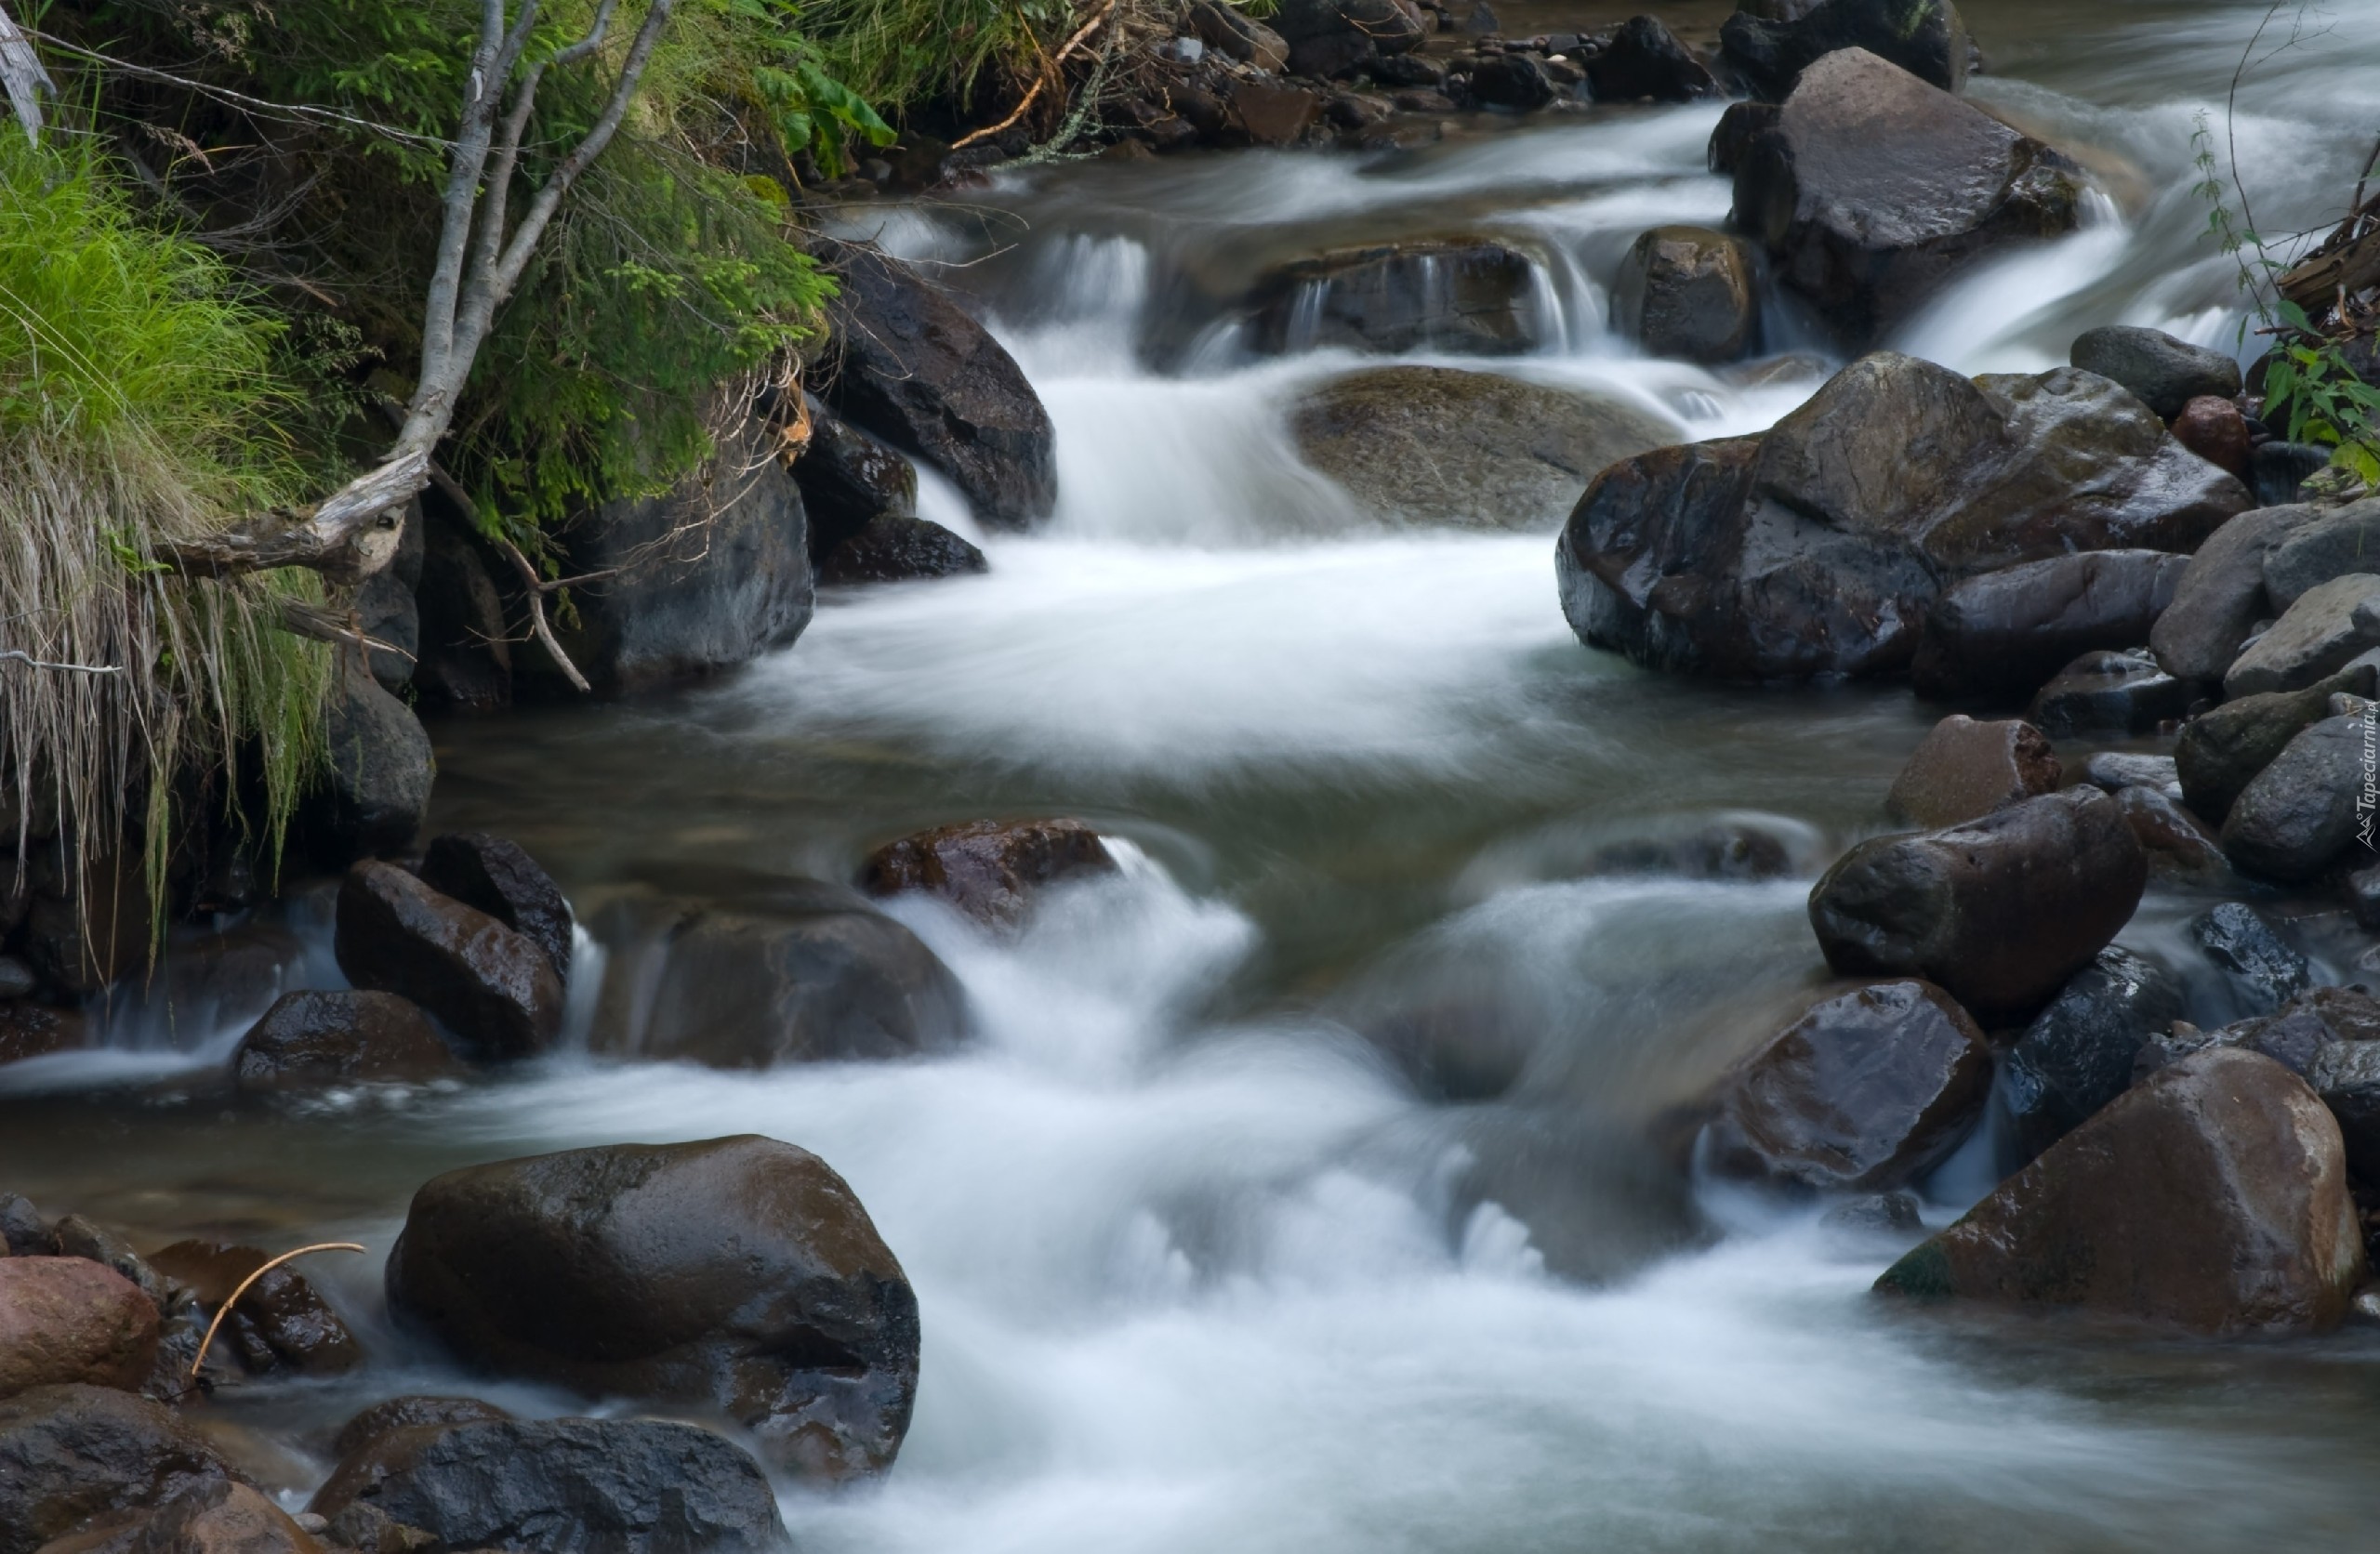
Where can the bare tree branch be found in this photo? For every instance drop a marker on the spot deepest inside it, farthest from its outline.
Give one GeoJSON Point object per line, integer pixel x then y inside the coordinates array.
{"type": "Point", "coordinates": [19, 656]}
{"type": "Point", "coordinates": [537, 615]}
{"type": "Point", "coordinates": [20, 72]}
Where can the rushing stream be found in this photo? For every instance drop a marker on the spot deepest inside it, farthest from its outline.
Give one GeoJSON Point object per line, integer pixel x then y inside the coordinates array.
{"type": "Point", "coordinates": [1200, 1267]}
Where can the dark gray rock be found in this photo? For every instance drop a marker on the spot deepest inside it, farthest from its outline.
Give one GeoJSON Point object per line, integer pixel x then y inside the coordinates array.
{"type": "Point", "coordinates": [2180, 848]}
{"type": "Point", "coordinates": [2115, 770]}
{"type": "Point", "coordinates": [2363, 898]}
{"type": "Point", "coordinates": [2294, 1034]}
{"type": "Point", "coordinates": [922, 375]}
{"type": "Point", "coordinates": [1874, 187]}
{"type": "Point", "coordinates": [847, 477]}
{"type": "Point", "coordinates": [2221, 595]}
{"type": "Point", "coordinates": [2006, 633]}
{"type": "Point", "coordinates": [1878, 1217]}
{"type": "Point", "coordinates": [317, 1040]}
{"type": "Point", "coordinates": [1690, 292]}
{"type": "Point", "coordinates": [2077, 1054]}
{"type": "Point", "coordinates": [2300, 813]}
{"type": "Point", "coordinates": [1868, 1089]}
{"type": "Point", "coordinates": [717, 572]}
{"type": "Point", "coordinates": [2278, 471]}
{"type": "Point", "coordinates": [1963, 769]}
{"type": "Point", "coordinates": [1226, 30]}
{"type": "Point", "coordinates": [736, 1274]}
{"type": "Point", "coordinates": [2213, 1197]}
{"type": "Point", "coordinates": [1465, 295]}
{"type": "Point", "coordinates": [2331, 543]}
{"type": "Point", "coordinates": [2110, 693]}
{"type": "Point", "coordinates": [2166, 372]}
{"type": "Point", "coordinates": [2346, 1075]}
{"type": "Point", "coordinates": [2329, 625]}
{"type": "Point", "coordinates": [379, 769]}
{"type": "Point", "coordinates": [1395, 27]}
{"type": "Point", "coordinates": [406, 1413]}
{"type": "Point", "coordinates": [466, 633]}
{"type": "Point", "coordinates": [493, 988]}
{"type": "Point", "coordinates": [1436, 445]}
{"type": "Point", "coordinates": [565, 1486]}
{"type": "Point", "coordinates": [1332, 55]}
{"type": "Point", "coordinates": [492, 875]}
{"type": "Point", "coordinates": [1513, 81]}
{"type": "Point", "coordinates": [893, 548]}
{"type": "Point", "coordinates": [1645, 59]}
{"type": "Point", "coordinates": [2000, 911]}
{"type": "Point", "coordinates": [68, 1453]}
{"type": "Point", "coordinates": [2222, 749]}
{"type": "Point", "coordinates": [800, 972]}
{"type": "Point", "coordinates": [2263, 971]}
{"type": "Point", "coordinates": [1769, 46]}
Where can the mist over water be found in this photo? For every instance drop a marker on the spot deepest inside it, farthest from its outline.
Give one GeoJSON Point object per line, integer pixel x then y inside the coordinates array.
{"type": "Point", "coordinates": [1203, 1263]}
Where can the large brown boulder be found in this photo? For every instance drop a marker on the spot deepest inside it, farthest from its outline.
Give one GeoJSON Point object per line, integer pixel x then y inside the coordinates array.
{"type": "Point", "coordinates": [799, 972]}
{"type": "Point", "coordinates": [1963, 769]}
{"type": "Point", "coordinates": [69, 1320]}
{"type": "Point", "coordinates": [1462, 293]}
{"type": "Point", "coordinates": [1819, 547]}
{"type": "Point", "coordinates": [2213, 1196]}
{"type": "Point", "coordinates": [497, 876]}
{"type": "Point", "coordinates": [1439, 445]}
{"type": "Point", "coordinates": [317, 1040]}
{"type": "Point", "coordinates": [921, 374]}
{"type": "Point", "coordinates": [563, 1486]}
{"type": "Point", "coordinates": [1689, 292]}
{"type": "Point", "coordinates": [1873, 188]}
{"type": "Point", "coordinates": [71, 1453]}
{"type": "Point", "coordinates": [493, 988]}
{"type": "Point", "coordinates": [2004, 634]}
{"type": "Point", "coordinates": [282, 1323]}
{"type": "Point", "coordinates": [1998, 912]}
{"type": "Point", "coordinates": [737, 1273]}
{"type": "Point", "coordinates": [1867, 1091]}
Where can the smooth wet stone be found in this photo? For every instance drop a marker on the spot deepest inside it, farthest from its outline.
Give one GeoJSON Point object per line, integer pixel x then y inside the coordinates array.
{"type": "Point", "coordinates": [2300, 814]}
{"type": "Point", "coordinates": [1471, 296]}
{"type": "Point", "coordinates": [2213, 1196]}
{"type": "Point", "coordinates": [1999, 912]}
{"type": "Point", "coordinates": [1227, 31]}
{"type": "Point", "coordinates": [1511, 81]}
{"type": "Point", "coordinates": [1868, 1089]}
{"type": "Point", "coordinates": [69, 1454]}
{"type": "Point", "coordinates": [497, 876]}
{"type": "Point", "coordinates": [2333, 543]}
{"type": "Point", "coordinates": [282, 1323]}
{"type": "Point", "coordinates": [565, 1486]}
{"type": "Point", "coordinates": [379, 769]}
{"type": "Point", "coordinates": [989, 870]}
{"type": "Point", "coordinates": [2221, 595]}
{"type": "Point", "coordinates": [1643, 60]}
{"type": "Point", "coordinates": [1878, 1217]}
{"type": "Point", "coordinates": [2263, 971]}
{"type": "Point", "coordinates": [1722, 849]}
{"type": "Point", "coordinates": [494, 987]}
{"type": "Point", "coordinates": [2329, 625]}
{"type": "Point", "coordinates": [2077, 1055]}
{"type": "Point", "coordinates": [405, 1413]}
{"type": "Point", "coordinates": [2166, 372]}
{"type": "Point", "coordinates": [2114, 770]}
{"type": "Point", "coordinates": [1767, 46]}
{"type": "Point", "coordinates": [2006, 633]}
{"type": "Point", "coordinates": [847, 478]}
{"type": "Point", "coordinates": [69, 1320]}
{"type": "Point", "coordinates": [1689, 292]}
{"type": "Point", "coordinates": [738, 1274]}
{"type": "Point", "coordinates": [1963, 769]}
{"type": "Point", "coordinates": [897, 548]}
{"type": "Point", "coordinates": [79, 1236]}
{"type": "Point", "coordinates": [2215, 431]}
{"type": "Point", "coordinates": [2180, 848]}
{"type": "Point", "coordinates": [2221, 750]}
{"type": "Point", "coordinates": [2300, 1029]}
{"type": "Point", "coordinates": [321, 1040]}
{"type": "Point", "coordinates": [2346, 1075]}
{"type": "Point", "coordinates": [2110, 693]}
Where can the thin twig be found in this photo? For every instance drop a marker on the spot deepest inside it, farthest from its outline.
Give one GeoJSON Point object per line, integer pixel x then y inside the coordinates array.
{"type": "Point", "coordinates": [298, 110]}
{"type": "Point", "coordinates": [537, 615]}
{"type": "Point", "coordinates": [23, 657]}
{"type": "Point", "coordinates": [225, 1309]}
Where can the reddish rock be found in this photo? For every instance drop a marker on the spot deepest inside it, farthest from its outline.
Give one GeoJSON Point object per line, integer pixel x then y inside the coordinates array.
{"type": "Point", "coordinates": [2213, 1196]}
{"type": "Point", "coordinates": [71, 1454]}
{"type": "Point", "coordinates": [987, 869]}
{"type": "Point", "coordinates": [2215, 431]}
{"type": "Point", "coordinates": [219, 1517]}
{"type": "Point", "coordinates": [1264, 113]}
{"type": "Point", "coordinates": [1964, 770]}
{"type": "Point", "coordinates": [68, 1320]}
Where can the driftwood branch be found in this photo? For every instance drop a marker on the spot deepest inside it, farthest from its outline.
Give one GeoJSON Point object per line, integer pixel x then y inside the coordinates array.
{"type": "Point", "coordinates": [17, 655]}
{"type": "Point", "coordinates": [20, 72]}
{"type": "Point", "coordinates": [538, 623]}
{"type": "Point", "coordinates": [302, 619]}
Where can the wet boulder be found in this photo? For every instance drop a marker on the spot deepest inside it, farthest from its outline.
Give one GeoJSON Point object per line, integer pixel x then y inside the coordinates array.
{"type": "Point", "coordinates": [989, 870]}
{"type": "Point", "coordinates": [1393, 26]}
{"type": "Point", "coordinates": [1963, 769]}
{"type": "Point", "coordinates": [2329, 544]}
{"type": "Point", "coordinates": [1644, 61]}
{"type": "Point", "coordinates": [282, 1323]}
{"type": "Point", "coordinates": [465, 635]}
{"type": "Point", "coordinates": [1690, 292]}
{"type": "Point", "coordinates": [2221, 595]}
{"type": "Point", "coordinates": [2346, 1075]}
{"type": "Point", "coordinates": [377, 769]}
{"type": "Point", "coordinates": [803, 972]}
{"type": "Point", "coordinates": [2180, 848]}
{"type": "Point", "coordinates": [2215, 431]}
{"type": "Point", "coordinates": [2262, 970]}
{"type": "Point", "coordinates": [1874, 187]}
{"type": "Point", "coordinates": [1262, 112]}
{"type": "Point", "coordinates": [498, 878]}
{"type": "Point", "coordinates": [1513, 82]}
{"type": "Point", "coordinates": [69, 1320]}
{"type": "Point", "coordinates": [323, 1040]}
{"type": "Point", "coordinates": [2301, 813]}
{"type": "Point", "coordinates": [2077, 1055]}
{"type": "Point", "coordinates": [493, 988]}
{"type": "Point", "coordinates": [2110, 693]}
{"type": "Point", "coordinates": [408, 1412]}
{"type": "Point", "coordinates": [919, 373]}
{"type": "Point", "coordinates": [1227, 31]}
{"type": "Point", "coordinates": [214, 1517]}
{"type": "Point", "coordinates": [847, 477]}
{"type": "Point", "coordinates": [1768, 47]}
{"type": "Point", "coordinates": [563, 1487]}
{"type": "Point", "coordinates": [707, 575]}
{"type": "Point", "coordinates": [31, 1029]}
{"type": "Point", "coordinates": [71, 1454]}
{"type": "Point", "coordinates": [893, 547]}
{"type": "Point", "coordinates": [736, 1274]}
{"type": "Point", "coordinates": [1436, 445]}
{"type": "Point", "coordinates": [1867, 1091]}
{"type": "Point", "coordinates": [2330, 625]}
{"type": "Point", "coordinates": [2114, 770]}
{"type": "Point", "coordinates": [2004, 633]}
{"type": "Point", "coordinates": [2213, 1196]}
{"type": "Point", "coordinates": [1999, 912]}
{"type": "Point", "coordinates": [2221, 750]}
{"type": "Point", "coordinates": [2166, 372]}
{"type": "Point", "coordinates": [1464, 295]}
{"type": "Point", "coordinates": [2295, 1034]}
